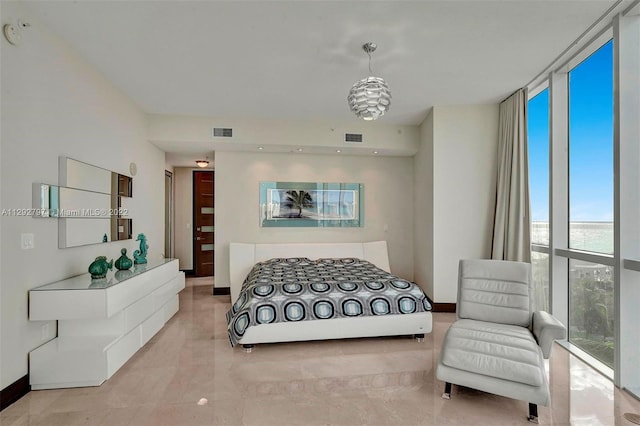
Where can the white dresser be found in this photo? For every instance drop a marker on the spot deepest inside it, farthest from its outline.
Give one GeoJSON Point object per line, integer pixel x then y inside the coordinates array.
{"type": "Point", "coordinates": [101, 323]}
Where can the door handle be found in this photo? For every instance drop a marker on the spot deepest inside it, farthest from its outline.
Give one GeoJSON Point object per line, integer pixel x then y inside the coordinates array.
{"type": "Point", "coordinates": [199, 238]}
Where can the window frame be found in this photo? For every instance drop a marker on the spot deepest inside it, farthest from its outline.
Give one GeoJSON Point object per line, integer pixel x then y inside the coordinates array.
{"type": "Point", "coordinates": [622, 23]}
{"type": "Point", "coordinates": [562, 251]}
{"type": "Point", "coordinates": [537, 247]}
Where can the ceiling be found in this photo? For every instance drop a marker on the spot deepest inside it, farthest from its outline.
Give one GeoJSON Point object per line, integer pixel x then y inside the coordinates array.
{"type": "Point", "coordinates": [296, 60]}
{"type": "Point", "coordinates": [189, 157]}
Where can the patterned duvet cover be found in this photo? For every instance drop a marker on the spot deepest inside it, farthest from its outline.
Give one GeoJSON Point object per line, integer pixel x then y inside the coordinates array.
{"type": "Point", "coordinates": [300, 289]}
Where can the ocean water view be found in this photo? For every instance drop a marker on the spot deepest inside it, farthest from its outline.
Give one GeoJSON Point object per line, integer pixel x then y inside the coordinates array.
{"type": "Point", "coordinates": [589, 236]}
{"type": "Point", "coordinates": [591, 292]}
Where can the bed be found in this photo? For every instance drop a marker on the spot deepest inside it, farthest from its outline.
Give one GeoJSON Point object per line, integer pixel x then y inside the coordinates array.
{"type": "Point", "coordinates": [243, 257]}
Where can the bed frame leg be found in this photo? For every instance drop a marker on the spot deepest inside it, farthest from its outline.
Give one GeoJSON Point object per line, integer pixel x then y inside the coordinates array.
{"type": "Point", "coordinates": [447, 391]}
{"type": "Point", "coordinates": [533, 413]}
{"type": "Point", "coordinates": [248, 348]}
{"type": "Point", "coordinates": [419, 337]}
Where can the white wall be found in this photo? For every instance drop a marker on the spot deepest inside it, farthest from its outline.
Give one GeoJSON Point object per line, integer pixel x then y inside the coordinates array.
{"type": "Point", "coordinates": [2, 47]}
{"type": "Point", "coordinates": [464, 180]}
{"type": "Point", "coordinates": [388, 198]}
{"type": "Point", "coordinates": [53, 103]}
{"type": "Point", "coordinates": [167, 164]}
{"type": "Point", "coordinates": [183, 216]}
{"type": "Point", "coordinates": [183, 209]}
{"type": "Point", "coordinates": [423, 208]}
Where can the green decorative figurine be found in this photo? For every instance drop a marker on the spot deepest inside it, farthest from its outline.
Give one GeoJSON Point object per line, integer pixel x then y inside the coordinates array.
{"type": "Point", "coordinates": [140, 256]}
{"type": "Point", "coordinates": [98, 268]}
{"type": "Point", "coordinates": [123, 261]}
{"type": "Point", "coordinates": [105, 239]}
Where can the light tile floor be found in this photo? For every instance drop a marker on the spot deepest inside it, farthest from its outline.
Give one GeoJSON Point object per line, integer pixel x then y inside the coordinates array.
{"type": "Point", "coordinates": [382, 381]}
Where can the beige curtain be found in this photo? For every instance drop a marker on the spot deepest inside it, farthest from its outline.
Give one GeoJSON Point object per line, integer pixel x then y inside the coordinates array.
{"type": "Point", "coordinates": [511, 228]}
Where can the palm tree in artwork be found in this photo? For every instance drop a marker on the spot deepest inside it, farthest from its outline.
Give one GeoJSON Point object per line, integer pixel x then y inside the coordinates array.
{"type": "Point", "coordinates": [298, 200]}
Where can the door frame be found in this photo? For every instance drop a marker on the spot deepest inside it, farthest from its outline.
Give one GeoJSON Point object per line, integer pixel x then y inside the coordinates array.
{"type": "Point", "coordinates": [169, 253]}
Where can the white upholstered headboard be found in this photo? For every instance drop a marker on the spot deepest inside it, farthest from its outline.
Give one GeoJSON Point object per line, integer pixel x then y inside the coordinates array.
{"type": "Point", "coordinates": [243, 256]}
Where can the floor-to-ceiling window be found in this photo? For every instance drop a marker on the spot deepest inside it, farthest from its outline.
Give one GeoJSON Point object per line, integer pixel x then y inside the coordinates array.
{"type": "Point", "coordinates": [590, 120]}
{"type": "Point", "coordinates": [584, 149]}
{"type": "Point", "coordinates": [538, 146]}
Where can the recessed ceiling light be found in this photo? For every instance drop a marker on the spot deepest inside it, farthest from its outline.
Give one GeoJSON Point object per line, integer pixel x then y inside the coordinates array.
{"type": "Point", "coordinates": [375, 152]}
{"type": "Point", "coordinates": [260, 148]}
{"type": "Point", "coordinates": [299, 149]}
{"type": "Point", "coordinates": [337, 150]}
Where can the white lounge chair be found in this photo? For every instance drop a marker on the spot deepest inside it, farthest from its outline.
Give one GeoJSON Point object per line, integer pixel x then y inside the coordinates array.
{"type": "Point", "coordinates": [498, 342]}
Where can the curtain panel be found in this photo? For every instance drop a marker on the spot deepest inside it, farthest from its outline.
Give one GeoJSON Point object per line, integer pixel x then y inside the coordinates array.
{"type": "Point", "coordinates": [512, 223]}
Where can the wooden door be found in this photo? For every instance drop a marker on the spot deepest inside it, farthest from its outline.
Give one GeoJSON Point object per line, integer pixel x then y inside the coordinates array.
{"type": "Point", "coordinates": [203, 215]}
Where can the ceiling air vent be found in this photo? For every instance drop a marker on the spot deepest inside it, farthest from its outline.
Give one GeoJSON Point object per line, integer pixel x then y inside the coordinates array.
{"type": "Point", "coordinates": [353, 137]}
{"type": "Point", "coordinates": [221, 132]}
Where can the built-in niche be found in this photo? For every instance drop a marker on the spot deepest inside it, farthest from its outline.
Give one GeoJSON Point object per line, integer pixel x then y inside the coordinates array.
{"type": "Point", "coordinates": [87, 203]}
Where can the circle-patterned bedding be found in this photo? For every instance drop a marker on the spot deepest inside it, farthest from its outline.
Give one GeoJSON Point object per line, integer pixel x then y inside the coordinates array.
{"type": "Point", "coordinates": [300, 289]}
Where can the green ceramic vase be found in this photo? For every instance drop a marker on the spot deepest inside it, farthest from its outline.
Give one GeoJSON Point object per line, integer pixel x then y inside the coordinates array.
{"type": "Point", "coordinates": [123, 261]}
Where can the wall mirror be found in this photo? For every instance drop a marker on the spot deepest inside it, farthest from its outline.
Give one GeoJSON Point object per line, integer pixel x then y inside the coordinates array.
{"type": "Point", "coordinates": [87, 203]}
{"type": "Point", "coordinates": [77, 174]}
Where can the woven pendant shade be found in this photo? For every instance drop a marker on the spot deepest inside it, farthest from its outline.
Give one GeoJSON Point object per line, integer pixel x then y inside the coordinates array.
{"type": "Point", "coordinates": [370, 97]}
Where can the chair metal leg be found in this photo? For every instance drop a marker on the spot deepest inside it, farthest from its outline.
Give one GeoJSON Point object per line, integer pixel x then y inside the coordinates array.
{"type": "Point", "coordinates": [533, 413]}
{"type": "Point", "coordinates": [248, 348]}
{"type": "Point", "coordinates": [447, 391]}
{"type": "Point", "coordinates": [419, 337]}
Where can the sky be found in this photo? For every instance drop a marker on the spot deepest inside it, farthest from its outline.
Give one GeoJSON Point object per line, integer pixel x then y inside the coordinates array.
{"type": "Point", "coordinates": [590, 142]}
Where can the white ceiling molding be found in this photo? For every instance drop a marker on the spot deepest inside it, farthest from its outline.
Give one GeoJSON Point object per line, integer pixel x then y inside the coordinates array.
{"type": "Point", "coordinates": [585, 44]}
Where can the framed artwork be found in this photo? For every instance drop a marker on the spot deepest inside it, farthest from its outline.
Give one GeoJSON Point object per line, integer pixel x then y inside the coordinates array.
{"type": "Point", "coordinates": [311, 204]}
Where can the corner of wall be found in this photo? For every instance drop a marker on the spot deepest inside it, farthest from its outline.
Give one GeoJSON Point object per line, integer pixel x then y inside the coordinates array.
{"type": "Point", "coordinates": [423, 207]}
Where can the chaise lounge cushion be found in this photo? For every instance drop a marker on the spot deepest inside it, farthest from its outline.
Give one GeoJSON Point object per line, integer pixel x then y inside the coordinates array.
{"type": "Point", "coordinates": [502, 351]}
{"type": "Point", "coordinates": [494, 291]}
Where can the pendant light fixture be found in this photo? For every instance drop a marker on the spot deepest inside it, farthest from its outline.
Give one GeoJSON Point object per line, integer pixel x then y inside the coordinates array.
{"type": "Point", "coordinates": [370, 97]}
{"type": "Point", "coordinates": [202, 163]}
